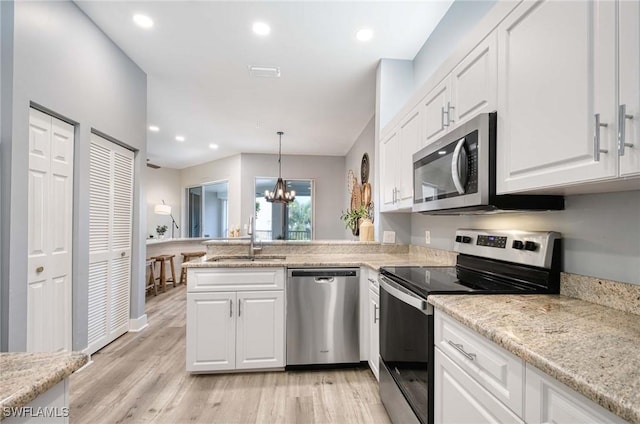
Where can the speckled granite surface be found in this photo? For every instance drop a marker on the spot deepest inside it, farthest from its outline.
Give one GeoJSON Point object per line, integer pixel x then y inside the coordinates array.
{"type": "Point", "coordinates": [280, 247]}
{"type": "Point", "coordinates": [621, 296]}
{"type": "Point", "coordinates": [591, 348]}
{"type": "Point", "coordinates": [24, 376]}
{"type": "Point", "coordinates": [324, 253]}
{"type": "Point", "coordinates": [374, 261]}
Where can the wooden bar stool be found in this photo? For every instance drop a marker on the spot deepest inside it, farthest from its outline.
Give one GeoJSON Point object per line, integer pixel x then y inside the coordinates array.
{"type": "Point", "coordinates": [151, 277]}
{"type": "Point", "coordinates": [186, 257]}
{"type": "Point", "coordinates": [164, 279]}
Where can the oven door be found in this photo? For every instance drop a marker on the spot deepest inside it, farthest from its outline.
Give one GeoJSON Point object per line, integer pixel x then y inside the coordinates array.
{"type": "Point", "coordinates": [406, 350]}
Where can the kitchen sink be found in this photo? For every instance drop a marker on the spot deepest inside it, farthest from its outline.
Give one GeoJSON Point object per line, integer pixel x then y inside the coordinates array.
{"type": "Point", "coordinates": [246, 258]}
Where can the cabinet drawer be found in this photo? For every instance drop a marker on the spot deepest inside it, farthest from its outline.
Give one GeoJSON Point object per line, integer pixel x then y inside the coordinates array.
{"type": "Point", "coordinates": [235, 279]}
{"type": "Point", "coordinates": [497, 370]}
{"type": "Point", "coordinates": [460, 399]}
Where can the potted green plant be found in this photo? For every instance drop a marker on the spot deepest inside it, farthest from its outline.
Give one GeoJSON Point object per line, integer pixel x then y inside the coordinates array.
{"type": "Point", "coordinates": [161, 229]}
{"type": "Point", "coordinates": [353, 217]}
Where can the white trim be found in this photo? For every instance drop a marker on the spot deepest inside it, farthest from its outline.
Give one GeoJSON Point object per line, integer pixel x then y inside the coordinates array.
{"type": "Point", "coordinates": [138, 324]}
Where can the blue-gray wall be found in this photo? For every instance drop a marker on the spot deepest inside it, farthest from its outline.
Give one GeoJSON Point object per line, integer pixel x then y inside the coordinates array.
{"type": "Point", "coordinates": [62, 62]}
{"type": "Point", "coordinates": [601, 232]}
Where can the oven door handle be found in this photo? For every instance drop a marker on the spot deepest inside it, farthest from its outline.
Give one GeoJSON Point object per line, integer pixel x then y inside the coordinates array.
{"type": "Point", "coordinates": [405, 296]}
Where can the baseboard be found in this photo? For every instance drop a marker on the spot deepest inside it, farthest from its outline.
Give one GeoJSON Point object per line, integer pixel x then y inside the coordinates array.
{"type": "Point", "coordinates": [138, 324]}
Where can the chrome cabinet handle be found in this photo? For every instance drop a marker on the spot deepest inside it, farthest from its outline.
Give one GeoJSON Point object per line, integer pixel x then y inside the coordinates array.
{"type": "Point", "coordinates": [622, 132]}
{"type": "Point", "coordinates": [460, 348]}
{"type": "Point", "coordinates": [596, 139]}
{"type": "Point", "coordinates": [239, 307]}
{"type": "Point", "coordinates": [449, 107]}
{"type": "Point", "coordinates": [442, 112]}
{"type": "Point", "coordinates": [459, 154]}
{"type": "Point", "coordinates": [376, 318]}
{"type": "Point", "coordinates": [230, 308]}
{"type": "Point", "coordinates": [371, 280]}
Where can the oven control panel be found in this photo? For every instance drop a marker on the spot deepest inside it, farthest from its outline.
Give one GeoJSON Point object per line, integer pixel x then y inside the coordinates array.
{"type": "Point", "coordinates": [533, 248]}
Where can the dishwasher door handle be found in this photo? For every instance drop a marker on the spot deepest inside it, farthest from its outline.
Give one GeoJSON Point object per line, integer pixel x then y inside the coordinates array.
{"type": "Point", "coordinates": [324, 279]}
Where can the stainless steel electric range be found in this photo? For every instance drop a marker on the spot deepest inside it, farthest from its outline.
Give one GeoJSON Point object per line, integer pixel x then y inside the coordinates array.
{"type": "Point", "coordinates": [489, 262]}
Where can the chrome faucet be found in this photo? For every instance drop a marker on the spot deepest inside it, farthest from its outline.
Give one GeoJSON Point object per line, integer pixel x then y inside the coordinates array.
{"type": "Point", "coordinates": [251, 232]}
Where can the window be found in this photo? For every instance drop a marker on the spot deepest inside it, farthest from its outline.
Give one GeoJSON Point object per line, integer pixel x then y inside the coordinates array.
{"type": "Point", "coordinates": [278, 221]}
{"type": "Point", "coordinates": [207, 210]}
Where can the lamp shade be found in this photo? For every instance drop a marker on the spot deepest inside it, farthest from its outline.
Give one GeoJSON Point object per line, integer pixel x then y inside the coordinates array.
{"type": "Point", "coordinates": [162, 209]}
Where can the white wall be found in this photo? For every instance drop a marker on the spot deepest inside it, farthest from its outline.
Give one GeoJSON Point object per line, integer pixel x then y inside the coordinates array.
{"type": "Point", "coordinates": [163, 184]}
{"type": "Point", "coordinates": [61, 61]}
{"type": "Point", "coordinates": [365, 143]}
{"type": "Point", "coordinates": [394, 87]}
{"type": "Point", "coordinates": [330, 185]}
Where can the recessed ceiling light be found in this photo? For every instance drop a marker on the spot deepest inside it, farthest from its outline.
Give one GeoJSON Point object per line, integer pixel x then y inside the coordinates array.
{"type": "Point", "coordinates": [153, 128]}
{"type": "Point", "coordinates": [365, 34]}
{"type": "Point", "coordinates": [180, 138]}
{"type": "Point", "coordinates": [261, 28]}
{"type": "Point", "coordinates": [213, 146]}
{"type": "Point", "coordinates": [143, 21]}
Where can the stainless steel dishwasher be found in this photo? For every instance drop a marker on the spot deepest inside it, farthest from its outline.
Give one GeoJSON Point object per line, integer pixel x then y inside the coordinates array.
{"type": "Point", "coordinates": [322, 316]}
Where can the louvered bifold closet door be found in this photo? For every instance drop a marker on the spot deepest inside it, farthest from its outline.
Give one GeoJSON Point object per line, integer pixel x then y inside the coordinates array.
{"type": "Point", "coordinates": [110, 222]}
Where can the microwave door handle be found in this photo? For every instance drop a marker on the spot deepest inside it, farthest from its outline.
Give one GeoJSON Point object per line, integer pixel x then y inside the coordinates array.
{"type": "Point", "coordinates": [459, 153]}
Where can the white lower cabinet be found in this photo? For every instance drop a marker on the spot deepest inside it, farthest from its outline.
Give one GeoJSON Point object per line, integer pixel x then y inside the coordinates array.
{"type": "Point", "coordinates": [231, 330]}
{"type": "Point", "coordinates": [477, 381]}
{"type": "Point", "coordinates": [374, 331]}
{"type": "Point", "coordinates": [549, 401]}
{"type": "Point", "coordinates": [458, 398]}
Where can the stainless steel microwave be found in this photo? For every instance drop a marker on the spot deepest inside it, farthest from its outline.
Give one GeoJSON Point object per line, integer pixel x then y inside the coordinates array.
{"type": "Point", "coordinates": [456, 174]}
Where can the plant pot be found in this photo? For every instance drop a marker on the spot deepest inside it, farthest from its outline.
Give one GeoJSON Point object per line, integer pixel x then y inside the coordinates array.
{"type": "Point", "coordinates": [356, 230]}
{"type": "Point", "coordinates": [366, 230]}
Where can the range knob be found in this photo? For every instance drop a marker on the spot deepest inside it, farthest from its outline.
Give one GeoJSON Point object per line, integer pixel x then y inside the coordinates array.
{"type": "Point", "coordinates": [517, 244]}
{"type": "Point", "coordinates": [530, 245]}
{"type": "Point", "coordinates": [458, 239]}
{"type": "Point", "coordinates": [466, 239]}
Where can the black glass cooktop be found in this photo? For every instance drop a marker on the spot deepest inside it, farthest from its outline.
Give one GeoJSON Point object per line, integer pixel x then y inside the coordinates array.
{"type": "Point", "coordinates": [442, 280]}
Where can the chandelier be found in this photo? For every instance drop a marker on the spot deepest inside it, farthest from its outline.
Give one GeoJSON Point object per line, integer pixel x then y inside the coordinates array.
{"type": "Point", "coordinates": [279, 193]}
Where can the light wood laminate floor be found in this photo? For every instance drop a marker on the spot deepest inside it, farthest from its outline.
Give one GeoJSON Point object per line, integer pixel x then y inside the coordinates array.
{"type": "Point", "coordinates": [141, 378]}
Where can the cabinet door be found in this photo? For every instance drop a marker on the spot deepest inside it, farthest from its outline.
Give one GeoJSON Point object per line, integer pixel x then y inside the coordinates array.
{"type": "Point", "coordinates": [629, 80]}
{"type": "Point", "coordinates": [388, 166]}
{"type": "Point", "coordinates": [260, 330]}
{"type": "Point", "coordinates": [435, 107]}
{"type": "Point", "coordinates": [211, 331]}
{"type": "Point", "coordinates": [549, 401]}
{"type": "Point", "coordinates": [374, 333]}
{"type": "Point", "coordinates": [474, 82]}
{"type": "Point", "coordinates": [409, 144]}
{"type": "Point", "coordinates": [556, 71]}
{"type": "Point", "coordinates": [458, 398]}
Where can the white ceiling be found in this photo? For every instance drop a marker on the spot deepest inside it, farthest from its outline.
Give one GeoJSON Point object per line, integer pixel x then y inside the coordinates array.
{"type": "Point", "coordinates": [197, 54]}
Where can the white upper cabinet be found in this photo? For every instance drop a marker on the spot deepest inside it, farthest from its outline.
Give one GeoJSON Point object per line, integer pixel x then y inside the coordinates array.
{"type": "Point", "coordinates": [396, 158]}
{"type": "Point", "coordinates": [468, 90]}
{"type": "Point", "coordinates": [629, 87]}
{"type": "Point", "coordinates": [557, 97]}
{"type": "Point", "coordinates": [388, 166]}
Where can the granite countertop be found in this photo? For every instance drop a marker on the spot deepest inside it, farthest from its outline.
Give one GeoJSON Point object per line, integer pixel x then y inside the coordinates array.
{"type": "Point", "coordinates": [591, 348]}
{"type": "Point", "coordinates": [151, 241]}
{"type": "Point", "coordinates": [25, 376]}
{"type": "Point", "coordinates": [372, 260]}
